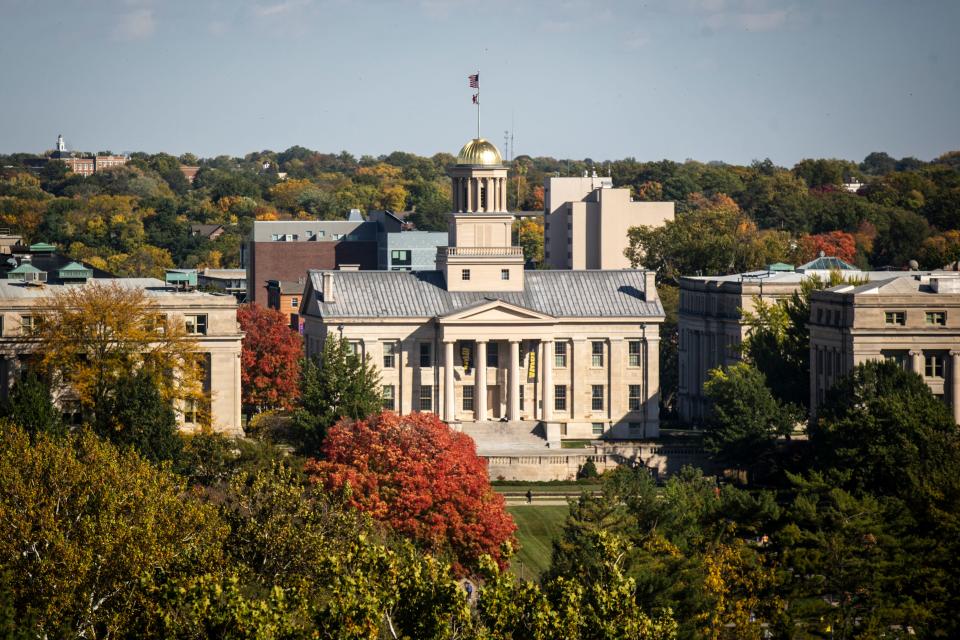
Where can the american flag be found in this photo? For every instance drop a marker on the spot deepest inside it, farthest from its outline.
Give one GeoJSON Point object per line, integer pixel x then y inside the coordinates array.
{"type": "Point", "coordinates": [476, 98]}
{"type": "Point", "coordinates": [474, 81]}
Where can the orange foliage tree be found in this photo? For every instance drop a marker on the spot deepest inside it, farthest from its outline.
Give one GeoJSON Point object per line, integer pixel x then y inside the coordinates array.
{"type": "Point", "coordinates": [838, 244]}
{"type": "Point", "coordinates": [421, 478]}
{"type": "Point", "coordinates": [270, 359]}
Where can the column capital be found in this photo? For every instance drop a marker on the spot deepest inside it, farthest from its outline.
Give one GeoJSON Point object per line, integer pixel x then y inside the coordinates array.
{"type": "Point", "coordinates": [449, 341]}
{"type": "Point", "coordinates": [481, 340]}
{"type": "Point", "coordinates": [916, 352]}
{"type": "Point", "coordinates": [545, 340]}
{"type": "Point", "coordinates": [955, 353]}
{"type": "Point", "coordinates": [515, 340]}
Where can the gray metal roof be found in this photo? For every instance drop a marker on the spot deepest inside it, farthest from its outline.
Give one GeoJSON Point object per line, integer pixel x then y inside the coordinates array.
{"type": "Point", "coordinates": [422, 294]}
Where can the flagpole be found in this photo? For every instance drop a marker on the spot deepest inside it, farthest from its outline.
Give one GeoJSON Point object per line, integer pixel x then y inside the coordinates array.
{"type": "Point", "coordinates": [478, 103]}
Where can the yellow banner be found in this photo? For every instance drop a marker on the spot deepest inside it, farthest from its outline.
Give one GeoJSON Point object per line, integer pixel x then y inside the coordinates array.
{"type": "Point", "coordinates": [466, 357]}
{"type": "Point", "coordinates": [532, 364]}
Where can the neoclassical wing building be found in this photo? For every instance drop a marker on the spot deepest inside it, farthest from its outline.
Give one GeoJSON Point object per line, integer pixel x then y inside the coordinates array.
{"type": "Point", "coordinates": [482, 339]}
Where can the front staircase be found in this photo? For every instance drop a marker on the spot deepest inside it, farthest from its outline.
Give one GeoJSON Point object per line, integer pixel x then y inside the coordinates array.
{"type": "Point", "coordinates": [494, 438]}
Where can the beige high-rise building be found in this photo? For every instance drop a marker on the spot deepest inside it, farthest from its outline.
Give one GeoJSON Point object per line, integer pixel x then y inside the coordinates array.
{"type": "Point", "coordinates": [913, 320]}
{"type": "Point", "coordinates": [586, 222]}
{"type": "Point", "coordinates": [481, 339]}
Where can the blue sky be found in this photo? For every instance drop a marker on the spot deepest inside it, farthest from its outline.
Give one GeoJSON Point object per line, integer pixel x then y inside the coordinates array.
{"type": "Point", "coordinates": [729, 80]}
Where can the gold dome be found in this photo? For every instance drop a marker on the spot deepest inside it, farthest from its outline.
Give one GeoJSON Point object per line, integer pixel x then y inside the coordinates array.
{"type": "Point", "coordinates": [480, 152]}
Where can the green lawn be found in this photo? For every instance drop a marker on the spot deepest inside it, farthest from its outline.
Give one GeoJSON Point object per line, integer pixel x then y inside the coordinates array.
{"type": "Point", "coordinates": [537, 526]}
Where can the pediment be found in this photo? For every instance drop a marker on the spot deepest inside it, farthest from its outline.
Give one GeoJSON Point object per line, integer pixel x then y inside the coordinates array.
{"type": "Point", "coordinates": [496, 312]}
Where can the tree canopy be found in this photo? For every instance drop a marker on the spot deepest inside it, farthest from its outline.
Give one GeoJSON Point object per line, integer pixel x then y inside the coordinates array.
{"type": "Point", "coordinates": [270, 358]}
{"type": "Point", "coordinates": [422, 478]}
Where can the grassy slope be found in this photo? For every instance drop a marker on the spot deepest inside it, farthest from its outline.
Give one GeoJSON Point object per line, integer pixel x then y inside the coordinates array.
{"type": "Point", "coordinates": [537, 526]}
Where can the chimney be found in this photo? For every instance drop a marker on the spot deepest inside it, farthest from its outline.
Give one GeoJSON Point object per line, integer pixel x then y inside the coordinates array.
{"type": "Point", "coordinates": [327, 292]}
{"type": "Point", "coordinates": [650, 286]}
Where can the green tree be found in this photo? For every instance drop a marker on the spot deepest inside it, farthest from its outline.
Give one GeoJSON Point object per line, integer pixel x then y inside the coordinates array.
{"type": "Point", "coordinates": [778, 340]}
{"type": "Point", "coordinates": [85, 528]}
{"type": "Point", "coordinates": [712, 237]}
{"type": "Point", "coordinates": [851, 566]}
{"type": "Point", "coordinates": [745, 419]}
{"type": "Point", "coordinates": [884, 432]}
{"type": "Point", "coordinates": [30, 406]}
{"type": "Point", "coordinates": [342, 386]}
{"type": "Point", "coordinates": [143, 420]}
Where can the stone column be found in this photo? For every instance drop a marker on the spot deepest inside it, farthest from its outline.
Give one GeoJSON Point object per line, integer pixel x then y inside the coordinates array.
{"type": "Point", "coordinates": [480, 378]}
{"type": "Point", "coordinates": [616, 363]}
{"type": "Point", "coordinates": [916, 362]}
{"type": "Point", "coordinates": [955, 373]}
{"type": "Point", "coordinates": [651, 376]}
{"type": "Point", "coordinates": [449, 397]}
{"type": "Point", "coordinates": [579, 391]}
{"type": "Point", "coordinates": [468, 205]}
{"type": "Point", "coordinates": [513, 393]}
{"type": "Point", "coordinates": [547, 365]}
{"type": "Point", "coordinates": [405, 397]}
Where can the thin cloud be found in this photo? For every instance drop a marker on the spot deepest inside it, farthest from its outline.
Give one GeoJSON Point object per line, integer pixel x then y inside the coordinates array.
{"type": "Point", "coordinates": [136, 25]}
{"type": "Point", "coordinates": [270, 10]}
{"type": "Point", "coordinates": [742, 15]}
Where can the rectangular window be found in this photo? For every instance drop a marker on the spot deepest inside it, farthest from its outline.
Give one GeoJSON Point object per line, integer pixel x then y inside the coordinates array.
{"type": "Point", "coordinates": [353, 348]}
{"type": "Point", "coordinates": [400, 258]}
{"type": "Point", "coordinates": [426, 397]}
{"type": "Point", "coordinates": [467, 398]}
{"type": "Point", "coordinates": [635, 353]}
{"type": "Point", "coordinates": [560, 397]}
{"type": "Point", "coordinates": [29, 325]}
{"type": "Point", "coordinates": [634, 397]}
{"type": "Point", "coordinates": [493, 355]}
{"type": "Point", "coordinates": [596, 397]}
{"type": "Point", "coordinates": [934, 366]}
{"type": "Point", "coordinates": [597, 428]}
{"type": "Point", "coordinates": [560, 355]}
{"type": "Point", "coordinates": [389, 397]}
{"type": "Point", "coordinates": [596, 353]}
{"type": "Point", "coordinates": [504, 274]}
{"type": "Point", "coordinates": [425, 355]}
{"type": "Point", "coordinates": [196, 324]}
{"type": "Point", "coordinates": [897, 357]}
{"type": "Point", "coordinates": [190, 411]}
{"type": "Point", "coordinates": [390, 350]}
{"type": "Point", "coordinates": [294, 302]}
{"type": "Point", "coordinates": [895, 318]}
{"type": "Point", "coordinates": [937, 318]}
{"type": "Point", "coordinates": [465, 274]}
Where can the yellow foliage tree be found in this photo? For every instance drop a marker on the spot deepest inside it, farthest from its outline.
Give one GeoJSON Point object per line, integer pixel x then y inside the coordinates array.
{"type": "Point", "coordinates": [738, 587]}
{"type": "Point", "coordinates": [530, 238]}
{"type": "Point", "coordinates": [90, 339]}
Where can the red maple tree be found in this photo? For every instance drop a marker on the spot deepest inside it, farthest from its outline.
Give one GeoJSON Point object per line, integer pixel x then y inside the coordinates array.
{"type": "Point", "coordinates": [424, 480]}
{"type": "Point", "coordinates": [270, 359]}
{"type": "Point", "coordinates": [837, 244]}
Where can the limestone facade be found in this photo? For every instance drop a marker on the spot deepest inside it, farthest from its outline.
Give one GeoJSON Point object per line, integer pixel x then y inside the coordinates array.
{"type": "Point", "coordinates": [481, 339]}
{"type": "Point", "coordinates": [913, 320]}
{"type": "Point", "coordinates": [211, 320]}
